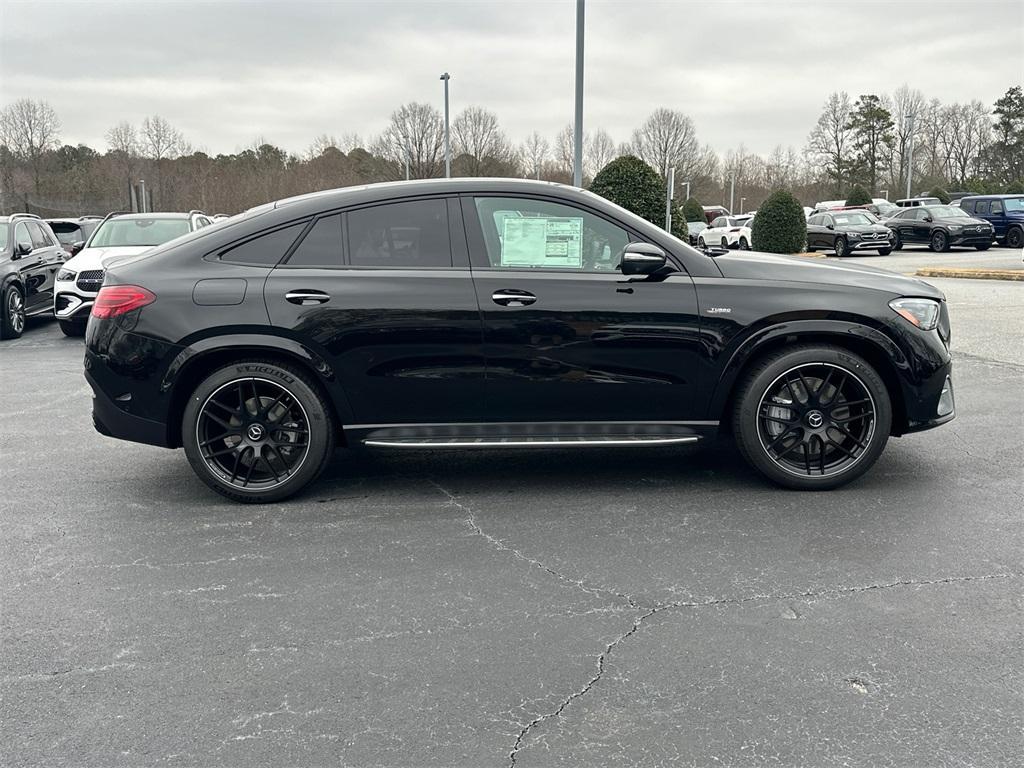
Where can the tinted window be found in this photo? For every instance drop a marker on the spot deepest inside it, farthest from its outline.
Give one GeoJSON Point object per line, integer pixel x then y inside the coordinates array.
{"type": "Point", "coordinates": [968, 205]}
{"type": "Point", "coordinates": [265, 250]}
{"type": "Point", "coordinates": [67, 233]}
{"type": "Point", "coordinates": [521, 233]}
{"type": "Point", "coordinates": [21, 235]}
{"type": "Point", "coordinates": [40, 238]}
{"type": "Point", "coordinates": [997, 207]}
{"type": "Point", "coordinates": [719, 222]}
{"type": "Point", "coordinates": [412, 234]}
{"type": "Point", "coordinates": [321, 247]}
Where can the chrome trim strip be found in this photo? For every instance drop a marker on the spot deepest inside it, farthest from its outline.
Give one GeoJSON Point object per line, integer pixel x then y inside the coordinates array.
{"type": "Point", "coordinates": [526, 423]}
{"type": "Point", "coordinates": [504, 443]}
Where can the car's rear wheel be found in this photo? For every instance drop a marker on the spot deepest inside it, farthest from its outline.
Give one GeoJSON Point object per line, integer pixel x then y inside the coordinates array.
{"type": "Point", "coordinates": [841, 247]}
{"type": "Point", "coordinates": [1015, 237]}
{"type": "Point", "coordinates": [12, 319]}
{"type": "Point", "coordinates": [701, 243]}
{"type": "Point", "coordinates": [725, 242]}
{"type": "Point", "coordinates": [257, 431]}
{"type": "Point", "coordinates": [744, 245]}
{"type": "Point", "coordinates": [939, 242]}
{"type": "Point", "coordinates": [72, 327]}
{"type": "Point", "coordinates": [812, 418]}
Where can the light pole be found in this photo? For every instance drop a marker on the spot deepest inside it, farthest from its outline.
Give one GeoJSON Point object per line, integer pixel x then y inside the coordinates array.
{"type": "Point", "coordinates": [142, 196]}
{"type": "Point", "coordinates": [886, 193]}
{"type": "Point", "coordinates": [670, 190]}
{"type": "Point", "coordinates": [910, 151]}
{"type": "Point", "coordinates": [577, 167]}
{"type": "Point", "coordinates": [742, 201]}
{"type": "Point", "coordinates": [687, 189]}
{"type": "Point", "coordinates": [732, 193]}
{"type": "Point", "coordinates": [447, 132]}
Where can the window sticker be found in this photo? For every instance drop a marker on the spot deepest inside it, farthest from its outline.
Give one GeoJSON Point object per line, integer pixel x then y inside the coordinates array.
{"type": "Point", "coordinates": [542, 242]}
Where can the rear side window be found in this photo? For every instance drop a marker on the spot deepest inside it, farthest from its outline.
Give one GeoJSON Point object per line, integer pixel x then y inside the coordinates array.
{"type": "Point", "coordinates": [265, 250]}
{"type": "Point", "coordinates": [409, 234]}
{"type": "Point", "coordinates": [997, 207]}
{"type": "Point", "coordinates": [980, 206]}
{"type": "Point", "coordinates": [968, 205]}
{"type": "Point", "coordinates": [321, 247]}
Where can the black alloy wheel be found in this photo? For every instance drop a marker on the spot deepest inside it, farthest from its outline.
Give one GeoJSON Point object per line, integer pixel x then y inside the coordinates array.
{"type": "Point", "coordinates": [812, 418]}
{"type": "Point", "coordinates": [257, 432]}
{"type": "Point", "coordinates": [897, 244]}
{"type": "Point", "coordinates": [12, 322]}
{"type": "Point", "coordinates": [841, 248]}
{"type": "Point", "coordinates": [1015, 237]}
{"type": "Point", "coordinates": [939, 241]}
{"type": "Point", "coordinates": [884, 251]}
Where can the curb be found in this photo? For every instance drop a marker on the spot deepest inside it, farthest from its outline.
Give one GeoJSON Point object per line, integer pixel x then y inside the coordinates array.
{"type": "Point", "coordinates": [972, 273]}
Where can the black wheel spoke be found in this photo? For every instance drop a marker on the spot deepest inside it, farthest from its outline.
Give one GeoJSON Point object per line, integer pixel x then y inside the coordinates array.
{"type": "Point", "coordinates": [270, 466]}
{"type": "Point", "coordinates": [218, 420]}
{"type": "Point", "coordinates": [821, 390]}
{"type": "Point", "coordinates": [807, 459]}
{"type": "Point", "coordinates": [771, 446]}
{"type": "Point", "coordinates": [218, 439]}
{"type": "Point", "coordinates": [839, 447]}
{"type": "Point", "coordinates": [849, 419]}
{"type": "Point", "coordinates": [854, 403]}
{"type": "Point", "coordinates": [222, 452]}
{"type": "Point", "coordinates": [789, 450]}
{"type": "Point", "coordinates": [252, 466]}
{"type": "Point", "coordinates": [238, 460]}
{"type": "Point", "coordinates": [850, 435]}
{"type": "Point", "coordinates": [786, 422]}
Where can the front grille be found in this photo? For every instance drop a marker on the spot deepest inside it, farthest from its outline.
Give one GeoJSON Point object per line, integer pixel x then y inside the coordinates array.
{"type": "Point", "coordinates": [90, 280]}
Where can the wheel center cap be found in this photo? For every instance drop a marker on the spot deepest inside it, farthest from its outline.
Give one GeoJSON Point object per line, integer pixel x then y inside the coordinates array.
{"type": "Point", "coordinates": [256, 432]}
{"type": "Point", "coordinates": [815, 419]}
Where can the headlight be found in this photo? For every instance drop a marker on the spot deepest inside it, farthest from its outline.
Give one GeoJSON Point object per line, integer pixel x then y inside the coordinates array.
{"type": "Point", "coordinates": [923, 313]}
{"type": "Point", "coordinates": [853, 235]}
{"type": "Point", "coordinates": [955, 227]}
{"type": "Point", "coordinates": [65, 274]}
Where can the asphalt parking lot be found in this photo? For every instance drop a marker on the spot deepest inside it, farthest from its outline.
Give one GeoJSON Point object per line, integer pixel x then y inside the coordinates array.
{"type": "Point", "coordinates": [599, 608]}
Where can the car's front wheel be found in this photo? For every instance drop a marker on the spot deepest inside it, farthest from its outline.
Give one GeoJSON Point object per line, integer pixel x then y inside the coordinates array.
{"type": "Point", "coordinates": [72, 327]}
{"type": "Point", "coordinates": [939, 242]}
{"type": "Point", "coordinates": [12, 319]}
{"type": "Point", "coordinates": [884, 251]}
{"type": "Point", "coordinates": [812, 418]}
{"type": "Point", "coordinates": [983, 246]}
{"type": "Point", "coordinates": [897, 243]}
{"type": "Point", "coordinates": [257, 431]}
{"type": "Point", "coordinates": [1015, 237]}
{"type": "Point", "coordinates": [841, 248]}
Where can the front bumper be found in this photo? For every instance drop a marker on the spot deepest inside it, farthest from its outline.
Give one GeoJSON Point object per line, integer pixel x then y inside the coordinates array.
{"type": "Point", "coordinates": [71, 303]}
{"type": "Point", "coordinates": [870, 245]}
{"type": "Point", "coordinates": [972, 238]}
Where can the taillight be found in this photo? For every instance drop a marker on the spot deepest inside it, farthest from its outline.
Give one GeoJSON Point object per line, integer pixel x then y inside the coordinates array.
{"type": "Point", "coordinates": [114, 300]}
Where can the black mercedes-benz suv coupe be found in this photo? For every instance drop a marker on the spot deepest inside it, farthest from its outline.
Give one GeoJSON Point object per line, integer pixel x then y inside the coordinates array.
{"type": "Point", "coordinates": [498, 313]}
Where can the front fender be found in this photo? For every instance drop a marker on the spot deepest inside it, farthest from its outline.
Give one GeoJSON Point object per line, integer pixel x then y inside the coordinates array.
{"type": "Point", "coordinates": [742, 350]}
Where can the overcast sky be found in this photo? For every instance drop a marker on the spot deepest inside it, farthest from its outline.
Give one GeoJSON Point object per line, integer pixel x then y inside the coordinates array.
{"type": "Point", "coordinates": [751, 72]}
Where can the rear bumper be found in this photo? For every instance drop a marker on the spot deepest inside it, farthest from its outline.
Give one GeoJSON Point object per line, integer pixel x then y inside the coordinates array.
{"type": "Point", "coordinates": [113, 420]}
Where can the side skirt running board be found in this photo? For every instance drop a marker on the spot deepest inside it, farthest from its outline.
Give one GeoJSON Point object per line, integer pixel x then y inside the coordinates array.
{"type": "Point", "coordinates": [528, 441]}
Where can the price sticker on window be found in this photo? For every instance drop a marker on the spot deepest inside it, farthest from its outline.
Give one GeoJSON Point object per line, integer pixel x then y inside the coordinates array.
{"type": "Point", "coordinates": [555, 243]}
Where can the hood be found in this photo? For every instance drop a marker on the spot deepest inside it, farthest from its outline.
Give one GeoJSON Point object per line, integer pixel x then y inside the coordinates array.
{"type": "Point", "coordinates": [99, 258]}
{"type": "Point", "coordinates": [750, 265]}
{"type": "Point", "coordinates": [862, 229]}
{"type": "Point", "coordinates": [966, 221]}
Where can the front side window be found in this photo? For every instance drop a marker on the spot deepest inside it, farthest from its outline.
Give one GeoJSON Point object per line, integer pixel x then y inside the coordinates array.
{"type": "Point", "coordinates": [411, 234]}
{"type": "Point", "coordinates": [997, 207]}
{"type": "Point", "coordinates": [265, 250]}
{"type": "Point", "coordinates": [719, 222]}
{"type": "Point", "coordinates": [138, 232]}
{"type": "Point", "coordinates": [522, 233]}
{"type": "Point", "coordinates": [978, 207]}
{"type": "Point", "coordinates": [22, 237]}
{"type": "Point", "coordinates": [39, 237]}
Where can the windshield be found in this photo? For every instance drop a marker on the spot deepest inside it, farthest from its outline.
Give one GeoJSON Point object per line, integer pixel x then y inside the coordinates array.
{"type": "Point", "coordinates": [137, 232]}
{"type": "Point", "coordinates": [853, 219]}
{"type": "Point", "coordinates": [68, 234]}
{"type": "Point", "coordinates": [696, 226]}
{"type": "Point", "coordinates": [1013, 204]}
{"type": "Point", "coordinates": [947, 212]}
{"type": "Point", "coordinates": [3, 234]}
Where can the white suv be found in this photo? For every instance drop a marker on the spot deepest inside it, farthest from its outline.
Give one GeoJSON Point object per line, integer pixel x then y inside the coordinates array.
{"type": "Point", "coordinates": [725, 231]}
{"type": "Point", "coordinates": [120, 234]}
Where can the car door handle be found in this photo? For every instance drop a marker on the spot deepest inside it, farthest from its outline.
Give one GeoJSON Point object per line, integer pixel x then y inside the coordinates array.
{"type": "Point", "coordinates": [513, 298]}
{"type": "Point", "coordinates": [307, 297]}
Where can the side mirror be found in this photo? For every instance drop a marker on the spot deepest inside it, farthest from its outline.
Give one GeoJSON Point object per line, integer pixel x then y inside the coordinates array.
{"type": "Point", "coordinates": [641, 259]}
{"type": "Point", "coordinates": [77, 246]}
{"type": "Point", "coordinates": [928, 218]}
{"type": "Point", "coordinates": [21, 249]}
{"type": "Point", "coordinates": [830, 226]}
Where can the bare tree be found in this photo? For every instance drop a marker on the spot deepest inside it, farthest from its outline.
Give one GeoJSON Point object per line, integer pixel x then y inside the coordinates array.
{"type": "Point", "coordinates": [598, 151]}
{"type": "Point", "coordinates": [565, 143]}
{"type": "Point", "coordinates": [930, 158]}
{"type": "Point", "coordinates": [416, 131]}
{"type": "Point", "coordinates": [480, 142]}
{"type": "Point", "coordinates": [535, 152]}
{"type": "Point", "coordinates": [29, 129]}
{"type": "Point", "coordinates": [829, 142]}
{"type": "Point", "coordinates": [160, 141]}
{"type": "Point", "coordinates": [904, 102]}
{"type": "Point", "coordinates": [668, 139]}
{"type": "Point", "coordinates": [970, 132]}
{"type": "Point", "coordinates": [123, 145]}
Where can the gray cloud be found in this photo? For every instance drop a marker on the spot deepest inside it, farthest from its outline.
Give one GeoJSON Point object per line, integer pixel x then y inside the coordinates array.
{"type": "Point", "coordinates": [751, 72]}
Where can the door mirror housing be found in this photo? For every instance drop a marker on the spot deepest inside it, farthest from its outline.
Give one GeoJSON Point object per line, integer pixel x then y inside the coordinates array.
{"type": "Point", "coordinates": [830, 226]}
{"type": "Point", "coordinates": [641, 259]}
{"type": "Point", "coordinates": [77, 246]}
{"type": "Point", "coordinates": [928, 218]}
{"type": "Point", "coordinates": [22, 249]}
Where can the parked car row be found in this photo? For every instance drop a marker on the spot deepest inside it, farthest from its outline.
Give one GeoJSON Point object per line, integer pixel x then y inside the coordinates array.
{"type": "Point", "coordinates": [56, 266]}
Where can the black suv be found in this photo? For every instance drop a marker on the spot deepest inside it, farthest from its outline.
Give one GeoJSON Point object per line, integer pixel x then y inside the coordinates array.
{"type": "Point", "coordinates": [940, 227]}
{"type": "Point", "coordinates": [848, 231]}
{"type": "Point", "coordinates": [30, 256]}
{"type": "Point", "coordinates": [73, 233]}
{"type": "Point", "coordinates": [481, 313]}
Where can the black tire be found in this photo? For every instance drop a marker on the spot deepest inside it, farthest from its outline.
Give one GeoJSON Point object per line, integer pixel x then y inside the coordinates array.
{"type": "Point", "coordinates": [821, 375]}
{"type": "Point", "coordinates": [897, 243]}
{"type": "Point", "coordinates": [701, 243]}
{"type": "Point", "coordinates": [809, 250]}
{"type": "Point", "coordinates": [12, 313]}
{"type": "Point", "coordinates": [72, 327]}
{"type": "Point", "coordinates": [1015, 237]}
{"type": "Point", "coordinates": [939, 241]}
{"type": "Point", "coordinates": [984, 247]}
{"type": "Point", "coordinates": [744, 245]}
{"type": "Point", "coordinates": [840, 247]}
{"type": "Point", "coordinates": [884, 251]}
{"type": "Point", "coordinates": [222, 435]}
{"type": "Point", "coordinates": [725, 243]}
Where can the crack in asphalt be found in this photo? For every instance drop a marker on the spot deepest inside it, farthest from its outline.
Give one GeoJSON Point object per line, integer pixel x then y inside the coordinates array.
{"type": "Point", "coordinates": [502, 546]}
{"type": "Point", "coordinates": [638, 621]}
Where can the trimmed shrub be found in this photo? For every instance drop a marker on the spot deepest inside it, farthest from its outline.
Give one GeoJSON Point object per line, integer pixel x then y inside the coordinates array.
{"type": "Point", "coordinates": [630, 182]}
{"type": "Point", "coordinates": [858, 196]}
{"type": "Point", "coordinates": [780, 225]}
{"type": "Point", "coordinates": [692, 210]}
{"type": "Point", "coordinates": [940, 193]}
{"type": "Point", "coordinates": [1015, 188]}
